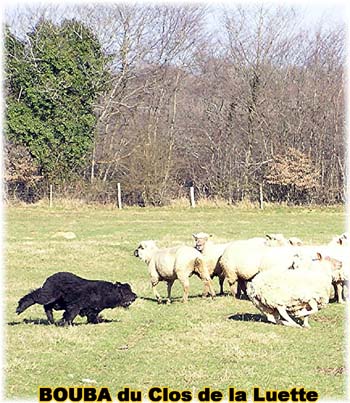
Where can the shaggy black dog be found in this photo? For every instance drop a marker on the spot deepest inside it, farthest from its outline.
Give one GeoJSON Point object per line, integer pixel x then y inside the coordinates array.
{"type": "Point", "coordinates": [77, 296]}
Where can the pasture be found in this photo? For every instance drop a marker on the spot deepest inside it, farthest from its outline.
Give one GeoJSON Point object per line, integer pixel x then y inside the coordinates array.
{"type": "Point", "coordinates": [219, 343]}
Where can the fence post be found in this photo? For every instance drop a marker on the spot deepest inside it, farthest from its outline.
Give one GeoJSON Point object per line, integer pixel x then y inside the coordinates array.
{"type": "Point", "coordinates": [119, 193]}
{"type": "Point", "coordinates": [193, 203]}
{"type": "Point", "coordinates": [50, 196]}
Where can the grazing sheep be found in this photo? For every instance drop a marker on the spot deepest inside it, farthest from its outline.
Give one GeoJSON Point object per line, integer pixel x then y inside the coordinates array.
{"type": "Point", "coordinates": [212, 253]}
{"type": "Point", "coordinates": [174, 263]}
{"type": "Point", "coordinates": [300, 293]}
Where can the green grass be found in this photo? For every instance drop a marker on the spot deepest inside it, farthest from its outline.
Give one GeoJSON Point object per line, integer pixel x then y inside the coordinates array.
{"type": "Point", "coordinates": [182, 346]}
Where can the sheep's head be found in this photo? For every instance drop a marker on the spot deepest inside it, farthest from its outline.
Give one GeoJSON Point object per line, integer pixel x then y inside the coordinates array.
{"type": "Point", "coordinates": [146, 250]}
{"type": "Point", "coordinates": [335, 266]}
{"type": "Point", "coordinates": [294, 241]}
{"type": "Point", "coordinates": [275, 240]}
{"type": "Point", "coordinates": [201, 239]}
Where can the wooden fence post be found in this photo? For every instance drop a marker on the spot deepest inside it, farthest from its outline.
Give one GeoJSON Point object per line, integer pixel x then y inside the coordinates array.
{"type": "Point", "coordinates": [193, 203]}
{"type": "Point", "coordinates": [51, 196]}
{"type": "Point", "coordinates": [119, 192]}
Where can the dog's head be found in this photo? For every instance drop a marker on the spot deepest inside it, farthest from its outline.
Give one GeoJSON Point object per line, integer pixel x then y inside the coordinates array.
{"type": "Point", "coordinates": [123, 294]}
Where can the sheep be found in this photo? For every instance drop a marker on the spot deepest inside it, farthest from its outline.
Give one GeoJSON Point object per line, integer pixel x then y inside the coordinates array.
{"type": "Point", "coordinates": [340, 240]}
{"type": "Point", "coordinates": [169, 264]}
{"type": "Point", "coordinates": [300, 293]}
{"type": "Point", "coordinates": [242, 260]}
{"type": "Point", "coordinates": [335, 251]}
{"type": "Point", "coordinates": [280, 240]}
{"type": "Point", "coordinates": [211, 252]}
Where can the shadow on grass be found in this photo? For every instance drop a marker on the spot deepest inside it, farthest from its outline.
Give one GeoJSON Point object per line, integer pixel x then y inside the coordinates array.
{"type": "Point", "coordinates": [179, 299]}
{"type": "Point", "coordinates": [45, 322]}
{"type": "Point", "coordinates": [249, 317]}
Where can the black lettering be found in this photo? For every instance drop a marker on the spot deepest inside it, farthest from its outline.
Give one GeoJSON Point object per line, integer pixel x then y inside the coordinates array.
{"type": "Point", "coordinates": [256, 395]}
{"type": "Point", "coordinates": [60, 394]}
{"type": "Point", "coordinates": [174, 396]}
{"type": "Point", "coordinates": [216, 396]}
{"type": "Point", "coordinates": [124, 395]}
{"type": "Point", "coordinates": [312, 396]}
{"type": "Point", "coordinates": [75, 394]}
{"type": "Point", "coordinates": [153, 394]}
{"type": "Point", "coordinates": [186, 396]}
{"type": "Point", "coordinates": [45, 394]}
{"type": "Point", "coordinates": [241, 396]}
{"type": "Point", "coordinates": [271, 396]}
{"type": "Point", "coordinates": [204, 395]}
{"type": "Point", "coordinates": [104, 395]}
{"type": "Point", "coordinates": [283, 396]}
{"type": "Point", "coordinates": [90, 395]}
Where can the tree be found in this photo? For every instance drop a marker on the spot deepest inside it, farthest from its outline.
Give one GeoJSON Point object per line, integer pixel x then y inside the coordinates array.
{"type": "Point", "coordinates": [294, 174]}
{"type": "Point", "coordinates": [52, 84]}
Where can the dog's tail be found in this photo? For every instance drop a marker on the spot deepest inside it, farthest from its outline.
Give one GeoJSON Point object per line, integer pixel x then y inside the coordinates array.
{"type": "Point", "coordinates": [28, 300]}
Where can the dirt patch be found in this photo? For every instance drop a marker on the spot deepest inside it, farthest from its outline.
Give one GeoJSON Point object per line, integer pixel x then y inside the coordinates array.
{"type": "Point", "coordinates": [331, 371]}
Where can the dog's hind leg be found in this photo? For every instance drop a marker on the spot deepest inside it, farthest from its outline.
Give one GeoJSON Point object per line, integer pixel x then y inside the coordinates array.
{"type": "Point", "coordinates": [48, 311]}
{"type": "Point", "coordinates": [92, 317]}
{"type": "Point", "coordinates": [69, 314]}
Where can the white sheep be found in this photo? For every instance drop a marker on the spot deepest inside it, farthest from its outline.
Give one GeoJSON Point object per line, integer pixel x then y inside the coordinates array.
{"type": "Point", "coordinates": [280, 240]}
{"type": "Point", "coordinates": [212, 253]}
{"type": "Point", "coordinates": [340, 240]}
{"type": "Point", "coordinates": [242, 260]}
{"type": "Point", "coordinates": [335, 251]}
{"type": "Point", "coordinates": [169, 264]}
{"type": "Point", "coordinates": [300, 293]}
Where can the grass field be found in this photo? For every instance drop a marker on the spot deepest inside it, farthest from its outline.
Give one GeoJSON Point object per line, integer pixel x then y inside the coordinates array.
{"type": "Point", "coordinates": [219, 343]}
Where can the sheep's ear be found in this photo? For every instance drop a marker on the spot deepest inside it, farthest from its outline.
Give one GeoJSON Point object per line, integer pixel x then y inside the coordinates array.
{"type": "Point", "coordinates": [268, 236]}
{"type": "Point", "coordinates": [194, 236]}
{"type": "Point", "coordinates": [340, 241]}
{"type": "Point", "coordinates": [319, 256]}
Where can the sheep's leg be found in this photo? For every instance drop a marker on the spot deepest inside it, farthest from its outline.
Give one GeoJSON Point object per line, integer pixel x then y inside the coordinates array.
{"type": "Point", "coordinates": [306, 322]}
{"type": "Point", "coordinates": [241, 288]}
{"type": "Point", "coordinates": [288, 321]}
{"type": "Point", "coordinates": [155, 282]}
{"type": "Point", "coordinates": [221, 283]}
{"type": "Point", "coordinates": [306, 312]}
{"type": "Point", "coordinates": [169, 285]}
{"type": "Point", "coordinates": [186, 286]}
{"type": "Point", "coordinates": [232, 285]}
{"type": "Point", "coordinates": [271, 317]}
{"type": "Point", "coordinates": [209, 284]}
{"type": "Point", "coordinates": [340, 293]}
{"type": "Point", "coordinates": [205, 290]}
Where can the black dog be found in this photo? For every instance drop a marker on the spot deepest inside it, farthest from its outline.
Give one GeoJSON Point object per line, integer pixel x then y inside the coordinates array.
{"type": "Point", "coordinates": [77, 296]}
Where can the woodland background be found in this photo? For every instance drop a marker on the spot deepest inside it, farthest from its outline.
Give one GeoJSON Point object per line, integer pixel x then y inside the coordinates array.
{"type": "Point", "coordinates": [233, 101]}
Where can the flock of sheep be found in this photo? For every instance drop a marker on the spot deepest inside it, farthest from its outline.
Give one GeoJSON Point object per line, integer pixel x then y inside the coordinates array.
{"type": "Point", "coordinates": [283, 278]}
